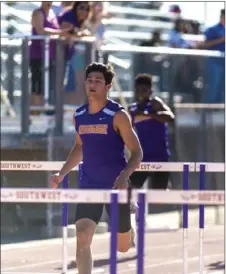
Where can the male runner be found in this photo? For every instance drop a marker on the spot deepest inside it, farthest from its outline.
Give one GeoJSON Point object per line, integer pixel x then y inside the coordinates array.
{"type": "Point", "coordinates": [150, 116]}
{"type": "Point", "coordinates": [103, 129]}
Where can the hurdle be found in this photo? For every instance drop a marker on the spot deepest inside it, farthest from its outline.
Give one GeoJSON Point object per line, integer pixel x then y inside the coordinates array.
{"type": "Point", "coordinates": [65, 196]}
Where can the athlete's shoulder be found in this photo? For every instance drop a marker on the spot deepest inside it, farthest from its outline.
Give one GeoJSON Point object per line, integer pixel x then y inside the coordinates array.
{"type": "Point", "coordinates": [132, 107]}
{"type": "Point", "coordinates": [81, 110]}
{"type": "Point", "coordinates": [114, 106]}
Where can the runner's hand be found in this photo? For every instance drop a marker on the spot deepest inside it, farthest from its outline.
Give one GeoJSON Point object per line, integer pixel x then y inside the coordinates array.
{"type": "Point", "coordinates": [121, 182]}
{"type": "Point", "coordinates": [56, 179]}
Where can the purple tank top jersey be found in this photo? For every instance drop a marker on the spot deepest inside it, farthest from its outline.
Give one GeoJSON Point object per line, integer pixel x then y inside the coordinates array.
{"type": "Point", "coordinates": [37, 46]}
{"type": "Point", "coordinates": [103, 148]}
{"type": "Point", "coordinates": [152, 134]}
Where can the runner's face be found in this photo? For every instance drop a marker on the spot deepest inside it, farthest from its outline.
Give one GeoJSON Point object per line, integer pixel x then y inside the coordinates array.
{"type": "Point", "coordinates": [142, 92]}
{"type": "Point", "coordinates": [96, 86]}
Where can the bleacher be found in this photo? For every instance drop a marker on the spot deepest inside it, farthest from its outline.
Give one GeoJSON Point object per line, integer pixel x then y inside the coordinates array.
{"type": "Point", "coordinates": [126, 19]}
{"type": "Point", "coordinates": [131, 23]}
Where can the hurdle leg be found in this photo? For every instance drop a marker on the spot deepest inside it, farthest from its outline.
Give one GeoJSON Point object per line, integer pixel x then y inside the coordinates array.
{"type": "Point", "coordinates": [141, 231]}
{"type": "Point", "coordinates": [50, 211]}
{"type": "Point", "coordinates": [146, 207]}
{"type": "Point", "coordinates": [201, 220]}
{"type": "Point", "coordinates": [114, 229]}
{"type": "Point", "coordinates": [185, 221]}
{"type": "Point", "coordinates": [64, 230]}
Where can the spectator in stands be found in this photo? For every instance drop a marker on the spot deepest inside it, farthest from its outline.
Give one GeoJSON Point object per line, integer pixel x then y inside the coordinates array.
{"type": "Point", "coordinates": [155, 40]}
{"type": "Point", "coordinates": [185, 70]}
{"type": "Point", "coordinates": [175, 10]}
{"type": "Point", "coordinates": [44, 22]}
{"type": "Point", "coordinates": [175, 38]}
{"type": "Point", "coordinates": [62, 7]}
{"type": "Point", "coordinates": [75, 73]}
{"type": "Point", "coordinates": [95, 24]}
{"type": "Point", "coordinates": [215, 40]}
{"type": "Point", "coordinates": [191, 27]}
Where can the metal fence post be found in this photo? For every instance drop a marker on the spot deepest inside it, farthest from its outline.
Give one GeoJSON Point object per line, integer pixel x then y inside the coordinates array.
{"type": "Point", "coordinates": [202, 144]}
{"type": "Point", "coordinates": [10, 71]}
{"type": "Point", "coordinates": [59, 103]}
{"type": "Point", "coordinates": [25, 89]}
{"type": "Point", "coordinates": [46, 71]}
{"type": "Point", "coordinates": [90, 54]}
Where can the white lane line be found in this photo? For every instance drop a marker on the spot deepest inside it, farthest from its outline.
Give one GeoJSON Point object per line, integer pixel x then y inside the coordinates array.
{"type": "Point", "coordinates": [100, 255]}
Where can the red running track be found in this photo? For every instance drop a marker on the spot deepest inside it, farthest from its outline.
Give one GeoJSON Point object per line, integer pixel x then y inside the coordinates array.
{"type": "Point", "coordinates": [163, 254]}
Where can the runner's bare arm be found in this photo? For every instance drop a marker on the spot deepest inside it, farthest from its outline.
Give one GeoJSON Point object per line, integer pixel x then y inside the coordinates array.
{"type": "Point", "coordinates": [161, 111]}
{"type": "Point", "coordinates": [74, 157]}
{"type": "Point", "coordinates": [38, 23]}
{"type": "Point", "coordinates": [76, 33]}
{"type": "Point", "coordinates": [122, 124]}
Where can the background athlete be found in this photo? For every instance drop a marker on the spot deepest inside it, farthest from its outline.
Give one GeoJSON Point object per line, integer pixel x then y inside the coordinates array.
{"type": "Point", "coordinates": [150, 116]}
{"type": "Point", "coordinates": [103, 129]}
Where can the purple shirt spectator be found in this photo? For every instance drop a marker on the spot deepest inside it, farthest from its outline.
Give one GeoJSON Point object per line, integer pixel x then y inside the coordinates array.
{"type": "Point", "coordinates": [37, 46]}
{"type": "Point", "coordinates": [70, 17]}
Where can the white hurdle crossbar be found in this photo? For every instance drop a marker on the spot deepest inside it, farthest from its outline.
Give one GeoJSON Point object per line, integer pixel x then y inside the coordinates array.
{"type": "Point", "coordinates": [43, 195]}
{"type": "Point", "coordinates": [152, 166]}
{"type": "Point", "coordinates": [185, 197]}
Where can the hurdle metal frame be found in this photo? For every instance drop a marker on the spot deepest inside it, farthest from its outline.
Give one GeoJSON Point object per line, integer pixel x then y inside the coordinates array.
{"type": "Point", "coordinates": [202, 168]}
{"type": "Point", "coordinates": [141, 226]}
